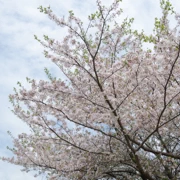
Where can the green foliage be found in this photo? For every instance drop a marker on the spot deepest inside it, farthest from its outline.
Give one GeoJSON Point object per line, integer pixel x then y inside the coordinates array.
{"type": "Point", "coordinates": [76, 71]}
{"type": "Point", "coordinates": [18, 83]}
{"type": "Point", "coordinates": [45, 53]}
{"type": "Point", "coordinates": [44, 10]}
{"type": "Point", "coordinates": [50, 77]}
{"type": "Point", "coordinates": [143, 37]}
{"type": "Point", "coordinates": [159, 24]}
{"type": "Point", "coordinates": [71, 13]}
{"type": "Point", "coordinates": [36, 38]}
{"type": "Point", "coordinates": [46, 38]}
{"type": "Point", "coordinates": [167, 6]}
{"type": "Point", "coordinates": [95, 15]}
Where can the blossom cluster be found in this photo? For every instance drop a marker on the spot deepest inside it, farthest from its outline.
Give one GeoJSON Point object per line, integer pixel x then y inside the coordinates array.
{"type": "Point", "coordinates": [117, 113]}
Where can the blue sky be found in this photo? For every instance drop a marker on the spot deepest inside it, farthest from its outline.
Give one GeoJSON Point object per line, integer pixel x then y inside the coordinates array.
{"type": "Point", "coordinates": [21, 56]}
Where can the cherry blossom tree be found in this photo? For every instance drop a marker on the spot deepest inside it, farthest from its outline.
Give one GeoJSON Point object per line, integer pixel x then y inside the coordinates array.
{"type": "Point", "coordinates": [116, 115]}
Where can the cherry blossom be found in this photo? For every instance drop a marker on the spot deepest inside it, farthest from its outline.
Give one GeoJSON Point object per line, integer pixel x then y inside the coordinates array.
{"type": "Point", "coordinates": [117, 113]}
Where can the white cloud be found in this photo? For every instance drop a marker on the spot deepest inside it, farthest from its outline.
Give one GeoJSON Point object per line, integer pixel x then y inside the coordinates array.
{"type": "Point", "coordinates": [21, 55]}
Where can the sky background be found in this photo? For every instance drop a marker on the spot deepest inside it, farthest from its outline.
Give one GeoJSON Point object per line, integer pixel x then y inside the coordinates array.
{"type": "Point", "coordinates": [21, 56]}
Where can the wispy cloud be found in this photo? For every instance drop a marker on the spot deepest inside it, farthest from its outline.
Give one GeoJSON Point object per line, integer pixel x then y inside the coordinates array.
{"type": "Point", "coordinates": [21, 55]}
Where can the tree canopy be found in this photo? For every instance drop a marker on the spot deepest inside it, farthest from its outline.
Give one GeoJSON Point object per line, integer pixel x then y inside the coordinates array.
{"type": "Point", "coordinates": [116, 115]}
